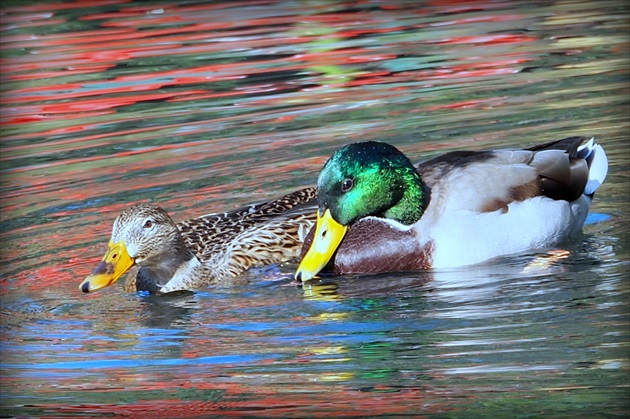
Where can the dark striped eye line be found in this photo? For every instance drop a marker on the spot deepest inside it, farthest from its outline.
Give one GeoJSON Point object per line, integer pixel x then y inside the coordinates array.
{"type": "Point", "coordinates": [347, 184]}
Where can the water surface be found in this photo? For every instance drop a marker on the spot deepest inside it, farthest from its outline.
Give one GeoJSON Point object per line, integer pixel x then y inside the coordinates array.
{"type": "Point", "coordinates": [202, 107]}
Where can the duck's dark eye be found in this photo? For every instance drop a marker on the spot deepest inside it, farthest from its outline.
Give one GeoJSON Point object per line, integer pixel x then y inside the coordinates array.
{"type": "Point", "coordinates": [148, 224]}
{"type": "Point", "coordinates": [347, 184]}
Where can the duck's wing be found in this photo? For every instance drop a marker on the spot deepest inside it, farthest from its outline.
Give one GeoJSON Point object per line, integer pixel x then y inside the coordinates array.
{"type": "Point", "coordinates": [295, 201]}
{"type": "Point", "coordinates": [486, 181]}
{"type": "Point", "coordinates": [219, 233]}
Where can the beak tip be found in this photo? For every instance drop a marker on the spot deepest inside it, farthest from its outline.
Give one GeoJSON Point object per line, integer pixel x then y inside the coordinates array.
{"type": "Point", "coordinates": [303, 276]}
{"type": "Point", "coordinates": [85, 287]}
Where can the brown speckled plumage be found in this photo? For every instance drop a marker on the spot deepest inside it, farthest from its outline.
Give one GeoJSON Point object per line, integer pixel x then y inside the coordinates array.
{"type": "Point", "coordinates": [225, 244]}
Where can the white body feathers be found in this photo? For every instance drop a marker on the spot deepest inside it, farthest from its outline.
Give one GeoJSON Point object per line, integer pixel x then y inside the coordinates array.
{"type": "Point", "coordinates": [463, 235]}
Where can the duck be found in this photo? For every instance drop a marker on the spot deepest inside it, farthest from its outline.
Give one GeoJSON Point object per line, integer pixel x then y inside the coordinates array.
{"type": "Point", "coordinates": [378, 212]}
{"type": "Point", "coordinates": [164, 257]}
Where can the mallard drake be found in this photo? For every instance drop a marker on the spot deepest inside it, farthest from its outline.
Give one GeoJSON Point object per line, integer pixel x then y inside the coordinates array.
{"type": "Point", "coordinates": [380, 213]}
{"type": "Point", "coordinates": [214, 248]}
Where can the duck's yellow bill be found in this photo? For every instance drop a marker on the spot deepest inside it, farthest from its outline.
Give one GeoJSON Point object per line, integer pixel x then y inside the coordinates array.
{"type": "Point", "coordinates": [328, 236]}
{"type": "Point", "coordinates": [114, 264]}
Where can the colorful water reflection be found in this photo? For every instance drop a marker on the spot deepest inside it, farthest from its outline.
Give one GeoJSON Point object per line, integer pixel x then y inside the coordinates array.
{"type": "Point", "coordinates": [203, 107]}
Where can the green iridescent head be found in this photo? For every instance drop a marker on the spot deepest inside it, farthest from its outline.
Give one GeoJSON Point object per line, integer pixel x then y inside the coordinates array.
{"type": "Point", "coordinates": [370, 178]}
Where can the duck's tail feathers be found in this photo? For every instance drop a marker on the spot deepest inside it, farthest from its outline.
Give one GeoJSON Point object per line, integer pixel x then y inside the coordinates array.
{"type": "Point", "coordinates": [597, 162]}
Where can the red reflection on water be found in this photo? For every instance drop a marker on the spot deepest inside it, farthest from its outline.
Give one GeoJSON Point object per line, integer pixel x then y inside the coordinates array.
{"type": "Point", "coordinates": [142, 31]}
{"type": "Point", "coordinates": [238, 400]}
{"type": "Point", "coordinates": [479, 103]}
{"type": "Point", "coordinates": [488, 39]}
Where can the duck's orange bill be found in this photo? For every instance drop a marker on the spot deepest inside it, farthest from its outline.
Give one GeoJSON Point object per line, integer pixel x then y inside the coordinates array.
{"type": "Point", "coordinates": [114, 264]}
{"type": "Point", "coordinates": [328, 236]}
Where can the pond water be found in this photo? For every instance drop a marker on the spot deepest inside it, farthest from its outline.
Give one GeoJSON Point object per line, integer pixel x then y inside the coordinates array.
{"type": "Point", "coordinates": [205, 106]}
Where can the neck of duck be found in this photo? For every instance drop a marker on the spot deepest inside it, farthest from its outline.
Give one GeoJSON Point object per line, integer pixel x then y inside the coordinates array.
{"type": "Point", "coordinates": [177, 261]}
{"type": "Point", "coordinates": [410, 207]}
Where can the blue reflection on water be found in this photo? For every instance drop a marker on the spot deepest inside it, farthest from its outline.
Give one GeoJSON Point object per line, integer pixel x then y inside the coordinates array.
{"type": "Point", "coordinates": [104, 363]}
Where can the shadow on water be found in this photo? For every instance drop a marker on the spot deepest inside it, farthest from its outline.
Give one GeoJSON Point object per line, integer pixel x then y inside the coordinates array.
{"type": "Point", "coordinates": [203, 107]}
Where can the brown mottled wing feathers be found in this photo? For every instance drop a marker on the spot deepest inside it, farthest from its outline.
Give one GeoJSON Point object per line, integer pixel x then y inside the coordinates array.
{"type": "Point", "coordinates": [209, 235]}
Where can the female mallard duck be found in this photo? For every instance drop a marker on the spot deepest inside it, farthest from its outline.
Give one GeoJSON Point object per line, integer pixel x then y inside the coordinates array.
{"type": "Point", "coordinates": [379, 213]}
{"type": "Point", "coordinates": [211, 249]}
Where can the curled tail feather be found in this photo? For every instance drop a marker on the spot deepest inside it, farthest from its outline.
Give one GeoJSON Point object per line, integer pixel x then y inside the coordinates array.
{"type": "Point", "coordinates": [597, 162]}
